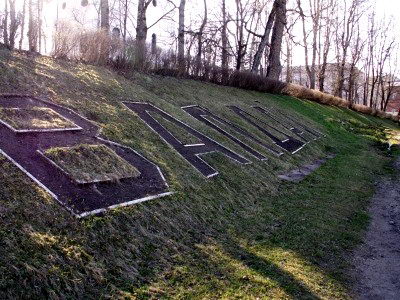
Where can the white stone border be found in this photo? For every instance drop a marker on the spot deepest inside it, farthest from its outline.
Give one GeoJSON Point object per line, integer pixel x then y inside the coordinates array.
{"type": "Point", "coordinates": [197, 155]}
{"type": "Point", "coordinates": [125, 204]}
{"type": "Point", "coordinates": [318, 134]}
{"type": "Point", "coordinates": [179, 140]}
{"type": "Point", "coordinates": [37, 181]}
{"type": "Point", "coordinates": [278, 154]}
{"type": "Point", "coordinates": [97, 211]}
{"type": "Point", "coordinates": [80, 181]}
{"type": "Point", "coordinates": [76, 128]}
{"type": "Point", "coordinates": [213, 121]}
{"type": "Point", "coordinates": [282, 141]}
{"type": "Point", "coordinates": [93, 212]}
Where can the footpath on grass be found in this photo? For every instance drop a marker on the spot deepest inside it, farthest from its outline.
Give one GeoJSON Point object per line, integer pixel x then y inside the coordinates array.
{"type": "Point", "coordinates": [377, 260]}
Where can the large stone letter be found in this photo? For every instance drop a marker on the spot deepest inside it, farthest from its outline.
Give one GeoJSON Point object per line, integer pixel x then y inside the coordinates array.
{"type": "Point", "coordinates": [25, 149]}
{"type": "Point", "coordinates": [201, 114]}
{"type": "Point", "coordinates": [289, 123]}
{"type": "Point", "coordinates": [289, 144]}
{"type": "Point", "coordinates": [191, 153]}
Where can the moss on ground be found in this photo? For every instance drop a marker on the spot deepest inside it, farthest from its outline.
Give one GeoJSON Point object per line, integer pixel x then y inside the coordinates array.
{"type": "Point", "coordinates": [91, 163]}
{"type": "Point", "coordinates": [244, 234]}
{"type": "Point", "coordinates": [34, 118]}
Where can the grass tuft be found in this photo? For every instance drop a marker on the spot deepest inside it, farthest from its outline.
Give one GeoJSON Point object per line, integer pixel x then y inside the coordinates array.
{"type": "Point", "coordinates": [243, 234]}
{"type": "Point", "coordinates": [91, 163]}
{"type": "Point", "coordinates": [34, 118]}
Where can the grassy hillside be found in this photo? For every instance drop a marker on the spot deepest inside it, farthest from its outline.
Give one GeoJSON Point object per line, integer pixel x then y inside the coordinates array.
{"type": "Point", "coordinates": [243, 234]}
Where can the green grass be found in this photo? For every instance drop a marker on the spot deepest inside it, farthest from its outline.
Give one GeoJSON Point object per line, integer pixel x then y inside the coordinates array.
{"type": "Point", "coordinates": [178, 132]}
{"type": "Point", "coordinates": [243, 234]}
{"type": "Point", "coordinates": [91, 163]}
{"type": "Point", "coordinates": [34, 118]}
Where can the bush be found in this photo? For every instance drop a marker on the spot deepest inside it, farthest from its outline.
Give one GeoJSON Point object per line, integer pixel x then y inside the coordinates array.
{"type": "Point", "coordinates": [90, 46]}
{"type": "Point", "coordinates": [98, 47]}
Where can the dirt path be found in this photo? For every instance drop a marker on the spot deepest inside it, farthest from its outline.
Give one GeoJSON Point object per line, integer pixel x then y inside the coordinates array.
{"type": "Point", "coordinates": [377, 261]}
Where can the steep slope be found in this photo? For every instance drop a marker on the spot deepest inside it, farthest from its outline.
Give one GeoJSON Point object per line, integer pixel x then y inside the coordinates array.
{"type": "Point", "coordinates": [244, 233]}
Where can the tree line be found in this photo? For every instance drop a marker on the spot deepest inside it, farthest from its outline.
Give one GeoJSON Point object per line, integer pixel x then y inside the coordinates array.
{"type": "Point", "coordinates": [346, 49]}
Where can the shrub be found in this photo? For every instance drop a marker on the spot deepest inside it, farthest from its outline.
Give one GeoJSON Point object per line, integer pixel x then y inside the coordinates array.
{"type": "Point", "coordinates": [95, 46]}
{"type": "Point", "coordinates": [251, 81]}
{"type": "Point", "coordinates": [65, 41]}
{"type": "Point", "coordinates": [91, 46]}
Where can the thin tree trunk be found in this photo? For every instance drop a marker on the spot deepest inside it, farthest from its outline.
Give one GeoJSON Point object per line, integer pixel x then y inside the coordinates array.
{"type": "Point", "coordinates": [181, 37]}
{"type": "Point", "coordinates": [32, 31]}
{"type": "Point", "coordinates": [21, 38]}
{"type": "Point", "coordinates": [200, 40]}
{"type": "Point", "coordinates": [39, 24]}
{"type": "Point", "coordinates": [289, 76]}
{"type": "Point", "coordinates": [13, 24]}
{"type": "Point", "coordinates": [274, 67]}
{"type": "Point", "coordinates": [264, 40]}
{"type": "Point", "coordinates": [141, 32]}
{"type": "Point", "coordinates": [104, 15]}
{"type": "Point", "coordinates": [5, 25]}
{"type": "Point", "coordinates": [224, 38]}
{"type": "Point", "coordinates": [224, 42]}
{"type": "Point", "coordinates": [125, 20]}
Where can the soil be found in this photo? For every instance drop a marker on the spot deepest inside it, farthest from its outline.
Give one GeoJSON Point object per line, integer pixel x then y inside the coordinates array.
{"type": "Point", "coordinates": [289, 144]}
{"type": "Point", "coordinates": [302, 172]}
{"type": "Point", "coordinates": [201, 114]}
{"type": "Point", "coordinates": [80, 199]}
{"type": "Point", "coordinates": [377, 261]}
{"type": "Point", "coordinates": [191, 153]}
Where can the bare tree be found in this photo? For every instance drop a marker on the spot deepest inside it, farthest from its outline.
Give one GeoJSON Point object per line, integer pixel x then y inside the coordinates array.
{"type": "Point", "coordinates": [142, 28]}
{"type": "Point", "coordinates": [181, 37]}
{"type": "Point", "coordinates": [325, 33]}
{"type": "Point", "coordinates": [200, 39]}
{"type": "Point", "coordinates": [351, 17]}
{"type": "Point", "coordinates": [33, 28]}
{"type": "Point", "coordinates": [316, 9]}
{"type": "Point", "coordinates": [264, 39]}
{"type": "Point", "coordinates": [104, 15]}
{"type": "Point", "coordinates": [13, 24]}
{"type": "Point", "coordinates": [274, 67]}
{"type": "Point", "coordinates": [5, 25]}
{"type": "Point", "coordinates": [356, 53]}
{"type": "Point", "coordinates": [21, 38]}
{"type": "Point", "coordinates": [224, 38]}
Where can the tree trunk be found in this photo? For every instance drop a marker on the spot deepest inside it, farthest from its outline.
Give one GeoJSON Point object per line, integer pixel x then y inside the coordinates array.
{"type": "Point", "coordinates": [33, 29]}
{"type": "Point", "coordinates": [13, 24]}
{"type": "Point", "coordinates": [200, 40]}
{"type": "Point", "coordinates": [39, 24]}
{"type": "Point", "coordinates": [264, 41]}
{"type": "Point", "coordinates": [289, 76]}
{"type": "Point", "coordinates": [224, 39]}
{"type": "Point", "coordinates": [125, 20]}
{"type": "Point", "coordinates": [5, 25]}
{"type": "Point", "coordinates": [141, 33]}
{"type": "Point", "coordinates": [274, 67]}
{"type": "Point", "coordinates": [323, 66]}
{"type": "Point", "coordinates": [104, 15]}
{"type": "Point", "coordinates": [181, 38]}
{"type": "Point", "coordinates": [21, 38]}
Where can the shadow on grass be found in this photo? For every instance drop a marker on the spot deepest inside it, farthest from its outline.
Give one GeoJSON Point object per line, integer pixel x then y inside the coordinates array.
{"type": "Point", "coordinates": [269, 270]}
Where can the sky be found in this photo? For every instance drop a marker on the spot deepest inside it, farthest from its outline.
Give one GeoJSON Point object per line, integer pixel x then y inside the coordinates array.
{"type": "Point", "coordinates": [385, 9]}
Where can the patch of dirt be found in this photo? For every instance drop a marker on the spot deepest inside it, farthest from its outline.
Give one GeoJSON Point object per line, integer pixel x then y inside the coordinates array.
{"type": "Point", "coordinates": [81, 199]}
{"type": "Point", "coordinates": [377, 261]}
{"type": "Point", "coordinates": [302, 172]}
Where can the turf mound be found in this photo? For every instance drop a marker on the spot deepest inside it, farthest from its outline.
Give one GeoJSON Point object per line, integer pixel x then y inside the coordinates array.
{"type": "Point", "coordinates": [242, 234]}
{"type": "Point", "coordinates": [91, 163]}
